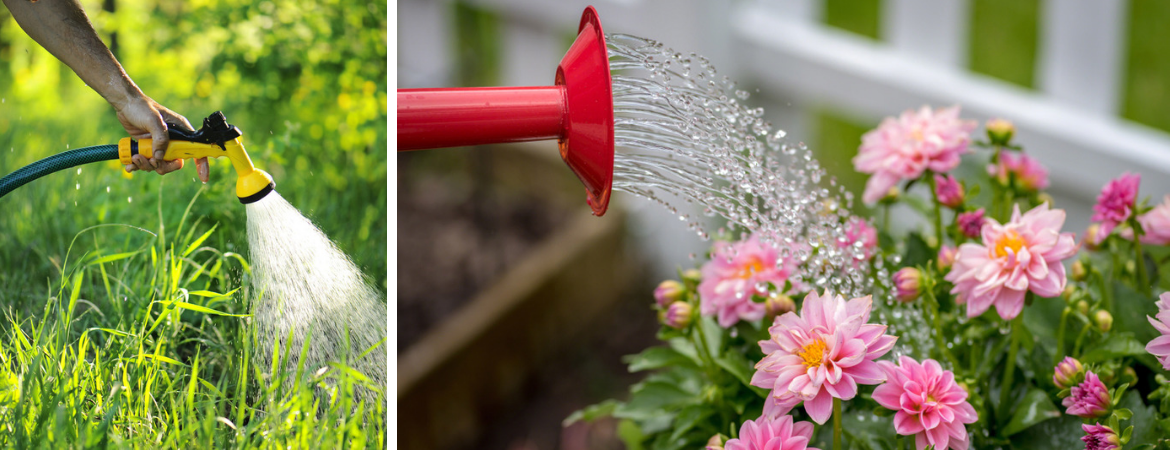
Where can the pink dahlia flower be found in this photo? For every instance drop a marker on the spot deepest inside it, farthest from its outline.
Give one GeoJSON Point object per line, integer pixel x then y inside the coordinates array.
{"type": "Point", "coordinates": [736, 272]}
{"type": "Point", "coordinates": [859, 230]}
{"type": "Point", "coordinates": [929, 404]}
{"type": "Point", "coordinates": [1023, 255]}
{"type": "Point", "coordinates": [1089, 399]}
{"type": "Point", "coordinates": [824, 352]}
{"type": "Point", "coordinates": [971, 222]}
{"type": "Point", "coordinates": [1160, 346]}
{"type": "Point", "coordinates": [1116, 202]}
{"type": "Point", "coordinates": [905, 147]}
{"type": "Point", "coordinates": [772, 434]}
{"type": "Point", "coordinates": [1100, 437]}
{"type": "Point", "coordinates": [949, 191]}
{"type": "Point", "coordinates": [1029, 174]}
{"type": "Point", "coordinates": [1155, 224]}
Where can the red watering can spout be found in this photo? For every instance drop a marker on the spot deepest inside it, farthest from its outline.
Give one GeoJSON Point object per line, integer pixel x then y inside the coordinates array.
{"type": "Point", "coordinates": [577, 111]}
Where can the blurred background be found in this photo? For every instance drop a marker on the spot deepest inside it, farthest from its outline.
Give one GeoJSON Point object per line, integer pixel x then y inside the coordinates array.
{"type": "Point", "coordinates": [1087, 84]}
{"type": "Point", "coordinates": [304, 80]}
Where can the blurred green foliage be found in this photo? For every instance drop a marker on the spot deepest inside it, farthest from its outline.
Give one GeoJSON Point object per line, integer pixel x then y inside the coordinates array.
{"type": "Point", "coordinates": [1003, 39]}
{"type": "Point", "coordinates": [304, 79]}
{"type": "Point", "coordinates": [1147, 81]}
{"type": "Point", "coordinates": [859, 16]}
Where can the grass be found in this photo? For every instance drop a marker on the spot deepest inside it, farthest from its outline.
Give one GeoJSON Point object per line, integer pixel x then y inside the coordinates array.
{"type": "Point", "coordinates": [143, 341]}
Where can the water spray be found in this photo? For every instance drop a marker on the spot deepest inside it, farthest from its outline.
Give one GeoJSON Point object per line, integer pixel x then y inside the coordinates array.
{"type": "Point", "coordinates": [577, 111]}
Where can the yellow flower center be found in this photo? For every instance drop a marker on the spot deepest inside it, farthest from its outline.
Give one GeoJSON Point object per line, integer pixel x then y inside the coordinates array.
{"type": "Point", "coordinates": [1009, 239]}
{"type": "Point", "coordinates": [812, 353]}
{"type": "Point", "coordinates": [917, 134]}
{"type": "Point", "coordinates": [753, 266]}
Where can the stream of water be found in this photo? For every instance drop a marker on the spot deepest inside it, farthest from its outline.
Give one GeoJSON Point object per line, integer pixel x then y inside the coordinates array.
{"type": "Point", "coordinates": [304, 284]}
{"type": "Point", "coordinates": [681, 129]}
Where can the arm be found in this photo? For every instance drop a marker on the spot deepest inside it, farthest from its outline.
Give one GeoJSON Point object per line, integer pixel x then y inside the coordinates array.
{"type": "Point", "coordinates": [62, 28]}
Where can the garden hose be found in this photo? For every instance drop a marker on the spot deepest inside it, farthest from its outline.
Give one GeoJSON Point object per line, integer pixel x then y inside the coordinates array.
{"type": "Point", "coordinates": [60, 161]}
{"type": "Point", "coordinates": [216, 138]}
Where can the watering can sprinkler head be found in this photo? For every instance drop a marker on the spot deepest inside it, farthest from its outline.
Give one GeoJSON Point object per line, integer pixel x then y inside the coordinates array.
{"type": "Point", "coordinates": [577, 111]}
{"type": "Point", "coordinates": [216, 138]}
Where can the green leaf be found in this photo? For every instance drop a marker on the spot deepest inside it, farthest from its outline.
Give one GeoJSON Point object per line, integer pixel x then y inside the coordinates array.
{"type": "Point", "coordinates": [687, 419]}
{"type": "Point", "coordinates": [650, 399]}
{"type": "Point", "coordinates": [199, 241]}
{"type": "Point", "coordinates": [917, 252]}
{"type": "Point", "coordinates": [1060, 434]}
{"type": "Point", "coordinates": [591, 412]}
{"type": "Point", "coordinates": [739, 367]}
{"type": "Point", "coordinates": [1144, 421]}
{"type": "Point", "coordinates": [657, 357]}
{"type": "Point", "coordinates": [631, 435]}
{"type": "Point", "coordinates": [684, 347]}
{"type": "Point", "coordinates": [1036, 407]}
{"type": "Point", "coordinates": [160, 358]}
{"type": "Point", "coordinates": [1130, 310]}
{"type": "Point", "coordinates": [212, 293]}
{"type": "Point", "coordinates": [1115, 346]}
{"type": "Point", "coordinates": [114, 257]}
{"type": "Point", "coordinates": [201, 309]}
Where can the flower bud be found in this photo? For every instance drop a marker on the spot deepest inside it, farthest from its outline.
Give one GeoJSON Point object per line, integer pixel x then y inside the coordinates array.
{"type": "Point", "coordinates": [1100, 437]}
{"type": "Point", "coordinates": [891, 195]}
{"type": "Point", "coordinates": [1068, 373]}
{"type": "Point", "coordinates": [1000, 131]}
{"type": "Point", "coordinates": [715, 443]}
{"type": "Point", "coordinates": [667, 292]}
{"type": "Point", "coordinates": [1083, 307]}
{"type": "Point", "coordinates": [1043, 197]}
{"type": "Point", "coordinates": [778, 305]}
{"type": "Point", "coordinates": [1067, 294]}
{"type": "Point", "coordinates": [946, 257]}
{"type": "Point", "coordinates": [971, 223]}
{"type": "Point", "coordinates": [1078, 271]}
{"type": "Point", "coordinates": [949, 191]}
{"type": "Point", "coordinates": [1128, 375]}
{"type": "Point", "coordinates": [907, 284]}
{"type": "Point", "coordinates": [692, 275]}
{"type": "Point", "coordinates": [1093, 238]}
{"type": "Point", "coordinates": [677, 315]}
{"type": "Point", "coordinates": [1104, 320]}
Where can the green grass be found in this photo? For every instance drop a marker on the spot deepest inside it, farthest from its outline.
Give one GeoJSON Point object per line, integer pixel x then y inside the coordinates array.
{"type": "Point", "coordinates": [142, 341]}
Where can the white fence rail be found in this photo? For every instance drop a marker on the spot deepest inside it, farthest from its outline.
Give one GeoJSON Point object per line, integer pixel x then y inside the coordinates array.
{"type": "Point", "coordinates": [1070, 123]}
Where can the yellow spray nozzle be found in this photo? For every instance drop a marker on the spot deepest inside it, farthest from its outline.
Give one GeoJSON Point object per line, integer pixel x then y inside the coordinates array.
{"type": "Point", "coordinates": [252, 184]}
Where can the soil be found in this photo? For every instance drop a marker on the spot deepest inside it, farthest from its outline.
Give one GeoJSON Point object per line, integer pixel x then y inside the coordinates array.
{"type": "Point", "coordinates": [463, 219]}
{"type": "Point", "coordinates": [582, 374]}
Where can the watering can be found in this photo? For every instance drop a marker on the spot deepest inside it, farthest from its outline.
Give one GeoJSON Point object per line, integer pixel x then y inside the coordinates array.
{"type": "Point", "coordinates": [577, 111]}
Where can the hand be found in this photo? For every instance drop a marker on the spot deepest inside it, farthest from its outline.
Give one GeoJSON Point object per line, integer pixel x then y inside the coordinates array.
{"type": "Point", "coordinates": [144, 118]}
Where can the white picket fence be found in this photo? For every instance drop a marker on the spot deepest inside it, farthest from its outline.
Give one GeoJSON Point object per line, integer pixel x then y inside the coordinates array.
{"type": "Point", "coordinates": [1069, 122]}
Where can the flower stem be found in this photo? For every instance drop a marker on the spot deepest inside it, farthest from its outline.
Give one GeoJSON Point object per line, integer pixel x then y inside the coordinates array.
{"type": "Point", "coordinates": [1081, 338]}
{"type": "Point", "coordinates": [1060, 336]}
{"type": "Point", "coordinates": [938, 230]}
{"type": "Point", "coordinates": [940, 341]}
{"type": "Point", "coordinates": [836, 423]}
{"type": "Point", "coordinates": [1005, 388]}
{"type": "Point", "coordinates": [1139, 261]}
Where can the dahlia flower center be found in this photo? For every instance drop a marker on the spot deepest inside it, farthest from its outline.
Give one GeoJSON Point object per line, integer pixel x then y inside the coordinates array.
{"type": "Point", "coordinates": [917, 134]}
{"type": "Point", "coordinates": [1010, 239]}
{"type": "Point", "coordinates": [752, 267]}
{"type": "Point", "coordinates": [812, 353]}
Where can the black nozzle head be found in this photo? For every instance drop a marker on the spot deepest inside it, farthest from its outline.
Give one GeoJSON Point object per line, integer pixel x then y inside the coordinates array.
{"type": "Point", "coordinates": [259, 195]}
{"type": "Point", "coordinates": [216, 130]}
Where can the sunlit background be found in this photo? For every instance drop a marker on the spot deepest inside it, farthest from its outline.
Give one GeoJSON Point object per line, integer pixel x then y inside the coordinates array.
{"type": "Point", "coordinates": [1086, 83]}
{"type": "Point", "coordinates": [304, 80]}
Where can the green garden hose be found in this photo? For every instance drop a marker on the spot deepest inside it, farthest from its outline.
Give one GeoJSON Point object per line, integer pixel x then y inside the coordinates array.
{"type": "Point", "coordinates": [60, 161]}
